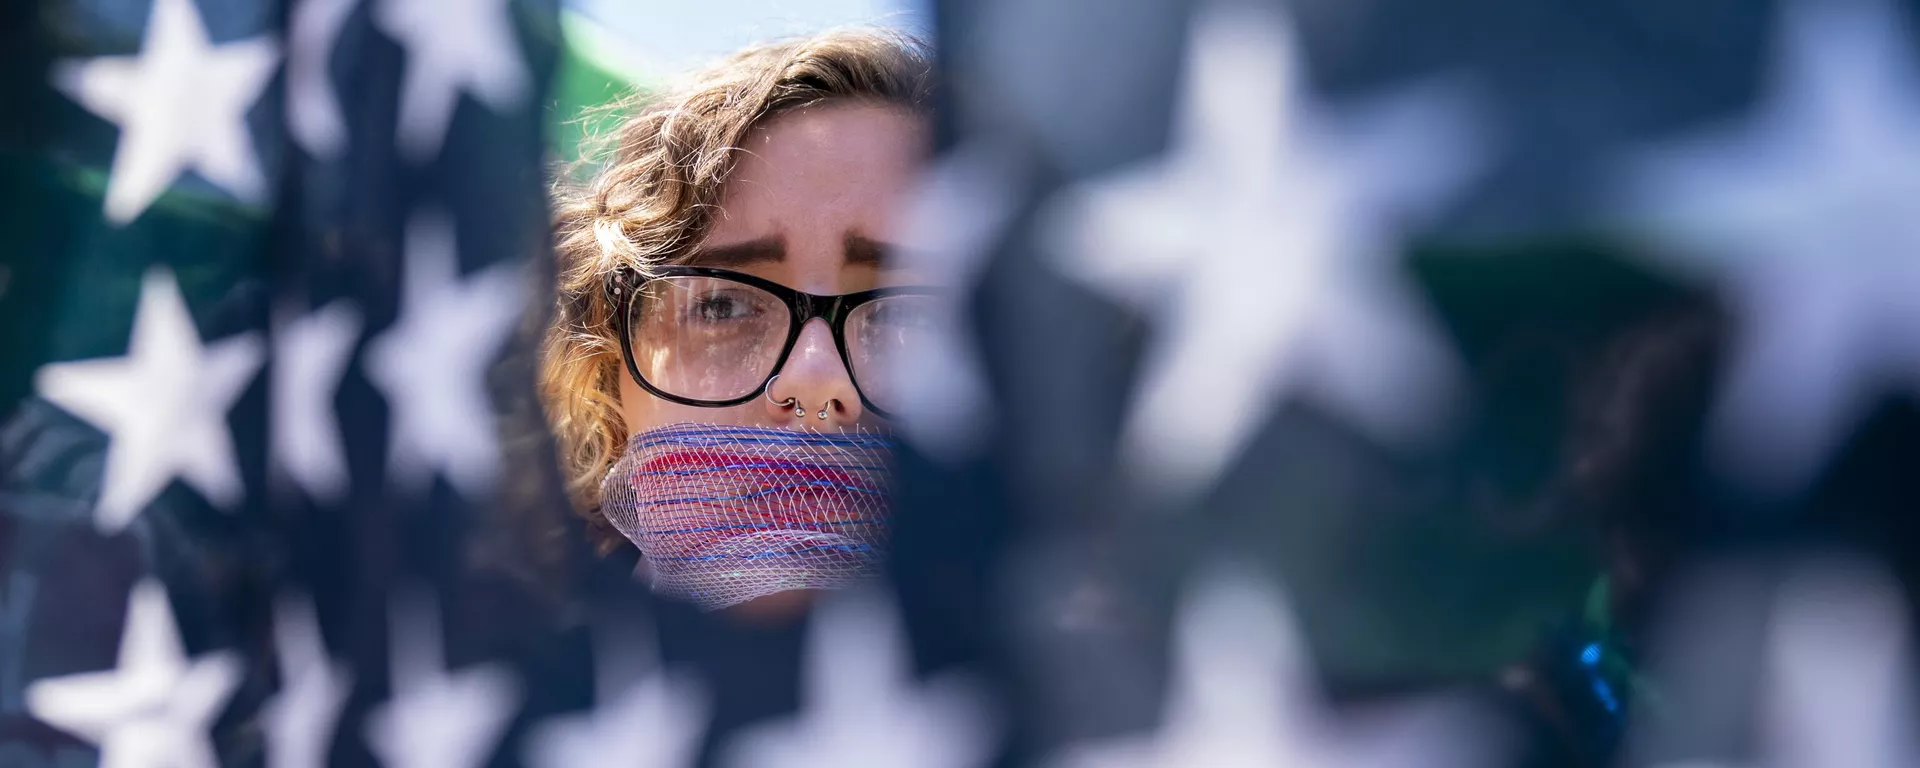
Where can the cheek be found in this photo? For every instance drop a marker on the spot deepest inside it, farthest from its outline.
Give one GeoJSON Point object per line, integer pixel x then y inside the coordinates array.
{"type": "Point", "coordinates": [642, 411]}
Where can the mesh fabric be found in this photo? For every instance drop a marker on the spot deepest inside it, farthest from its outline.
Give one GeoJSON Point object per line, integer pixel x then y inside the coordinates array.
{"type": "Point", "coordinates": [726, 514]}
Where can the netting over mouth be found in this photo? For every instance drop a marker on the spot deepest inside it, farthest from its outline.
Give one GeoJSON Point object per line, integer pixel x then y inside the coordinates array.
{"type": "Point", "coordinates": [727, 514]}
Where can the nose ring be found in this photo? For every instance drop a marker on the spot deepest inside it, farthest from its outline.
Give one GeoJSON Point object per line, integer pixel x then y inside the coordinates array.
{"type": "Point", "coordinates": [826, 405]}
{"type": "Point", "coordinates": [799, 412]}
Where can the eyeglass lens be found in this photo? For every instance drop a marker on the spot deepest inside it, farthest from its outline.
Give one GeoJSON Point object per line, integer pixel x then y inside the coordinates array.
{"type": "Point", "coordinates": [710, 338]}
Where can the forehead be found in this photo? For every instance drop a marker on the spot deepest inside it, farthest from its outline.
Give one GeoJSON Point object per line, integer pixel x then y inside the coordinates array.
{"type": "Point", "coordinates": [837, 167]}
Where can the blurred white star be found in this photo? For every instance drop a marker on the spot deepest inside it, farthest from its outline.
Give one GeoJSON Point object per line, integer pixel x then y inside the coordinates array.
{"type": "Point", "coordinates": [310, 356]}
{"type": "Point", "coordinates": [437, 718]}
{"type": "Point", "coordinates": [299, 721]}
{"type": "Point", "coordinates": [1835, 688]}
{"type": "Point", "coordinates": [1263, 244]}
{"type": "Point", "coordinates": [962, 204]}
{"type": "Point", "coordinates": [1841, 671]}
{"type": "Point", "coordinates": [313, 111]}
{"type": "Point", "coordinates": [154, 707]}
{"type": "Point", "coordinates": [1808, 218]}
{"type": "Point", "coordinates": [862, 706]}
{"type": "Point", "coordinates": [163, 406]}
{"type": "Point", "coordinates": [451, 46]}
{"type": "Point", "coordinates": [432, 362]}
{"type": "Point", "coordinates": [1244, 694]}
{"type": "Point", "coordinates": [181, 104]}
{"type": "Point", "coordinates": [653, 719]}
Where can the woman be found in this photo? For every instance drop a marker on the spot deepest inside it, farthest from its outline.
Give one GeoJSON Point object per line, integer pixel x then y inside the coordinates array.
{"type": "Point", "coordinates": [718, 371]}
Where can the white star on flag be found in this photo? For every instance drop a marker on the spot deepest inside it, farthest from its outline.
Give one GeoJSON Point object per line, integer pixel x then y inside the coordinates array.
{"type": "Point", "coordinates": [1263, 244]}
{"type": "Point", "coordinates": [1840, 668]}
{"type": "Point", "coordinates": [1243, 695]}
{"type": "Point", "coordinates": [310, 356]}
{"type": "Point", "coordinates": [154, 707]}
{"type": "Point", "coordinates": [860, 703]}
{"type": "Point", "coordinates": [313, 111]}
{"type": "Point", "coordinates": [1808, 218]}
{"type": "Point", "coordinates": [1835, 688]}
{"type": "Point", "coordinates": [961, 205]}
{"type": "Point", "coordinates": [300, 719]}
{"type": "Point", "coordinates": [653, 719]}
{"type": "Point", "coordinates": [452, 45]}
{"type": "Point", "coordinates": [163, 406]}
{"type": "Point", "coordinates": [437, 718]}
{"type": "Point", "coordinates": [181, 104]}
{"type": "Point", "coordinates": [432, 362]}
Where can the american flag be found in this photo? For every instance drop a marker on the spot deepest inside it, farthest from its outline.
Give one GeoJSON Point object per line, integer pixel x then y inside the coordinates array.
{"type": "Point", "coordinates": [1484, 383]}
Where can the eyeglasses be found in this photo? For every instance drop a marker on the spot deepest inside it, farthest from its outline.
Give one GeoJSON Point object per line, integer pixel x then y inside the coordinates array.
{"type": "Point", "coordinates": [713, 337]}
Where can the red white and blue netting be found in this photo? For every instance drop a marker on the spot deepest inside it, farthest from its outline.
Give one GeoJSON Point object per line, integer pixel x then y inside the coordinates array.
{"type": "Point", "coordinates": [727, 514]}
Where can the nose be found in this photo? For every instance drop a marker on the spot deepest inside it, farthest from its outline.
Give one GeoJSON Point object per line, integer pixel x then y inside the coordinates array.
{"type": "Point", "coordinates": [814, 381]}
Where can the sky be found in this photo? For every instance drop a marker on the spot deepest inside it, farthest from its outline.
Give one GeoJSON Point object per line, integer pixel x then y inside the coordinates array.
{"type": "Point", "coordinates": [665, 37]}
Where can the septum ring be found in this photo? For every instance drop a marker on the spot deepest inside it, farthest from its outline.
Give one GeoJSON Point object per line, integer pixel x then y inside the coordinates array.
{"type": "Point", "coordinates": [799, 412]}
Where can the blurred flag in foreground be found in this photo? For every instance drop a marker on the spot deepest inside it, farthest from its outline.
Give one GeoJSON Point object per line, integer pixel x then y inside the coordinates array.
{"type": "Point", "coordinates": [278, 267]}
{"type": "Point", "coordinates": [1362, 383]}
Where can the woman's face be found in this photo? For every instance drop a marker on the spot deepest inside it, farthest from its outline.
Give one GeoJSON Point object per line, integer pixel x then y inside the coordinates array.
{"type": "Point", "coordinates": [811, 199]}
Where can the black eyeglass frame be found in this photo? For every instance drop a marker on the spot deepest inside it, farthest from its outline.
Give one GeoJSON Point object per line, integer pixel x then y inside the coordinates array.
{"type": "Point", "coordinates": [625, 284]}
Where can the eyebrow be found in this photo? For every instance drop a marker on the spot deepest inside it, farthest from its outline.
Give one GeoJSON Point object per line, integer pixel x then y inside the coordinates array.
{"type": "Point", "coordinates": [864, 252]}
{"type": "Point", "coordinates": [740, 254]}
{"type": "Point", "coordinates": [859, 251]}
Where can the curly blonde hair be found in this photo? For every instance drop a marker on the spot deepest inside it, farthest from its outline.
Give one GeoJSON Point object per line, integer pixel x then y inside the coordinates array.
{"type": "Point", "coordinates": [654, 197]}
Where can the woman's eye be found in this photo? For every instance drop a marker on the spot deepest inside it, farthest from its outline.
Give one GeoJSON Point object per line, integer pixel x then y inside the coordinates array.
{"type": "Point", "coordinates": [721, 307]}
